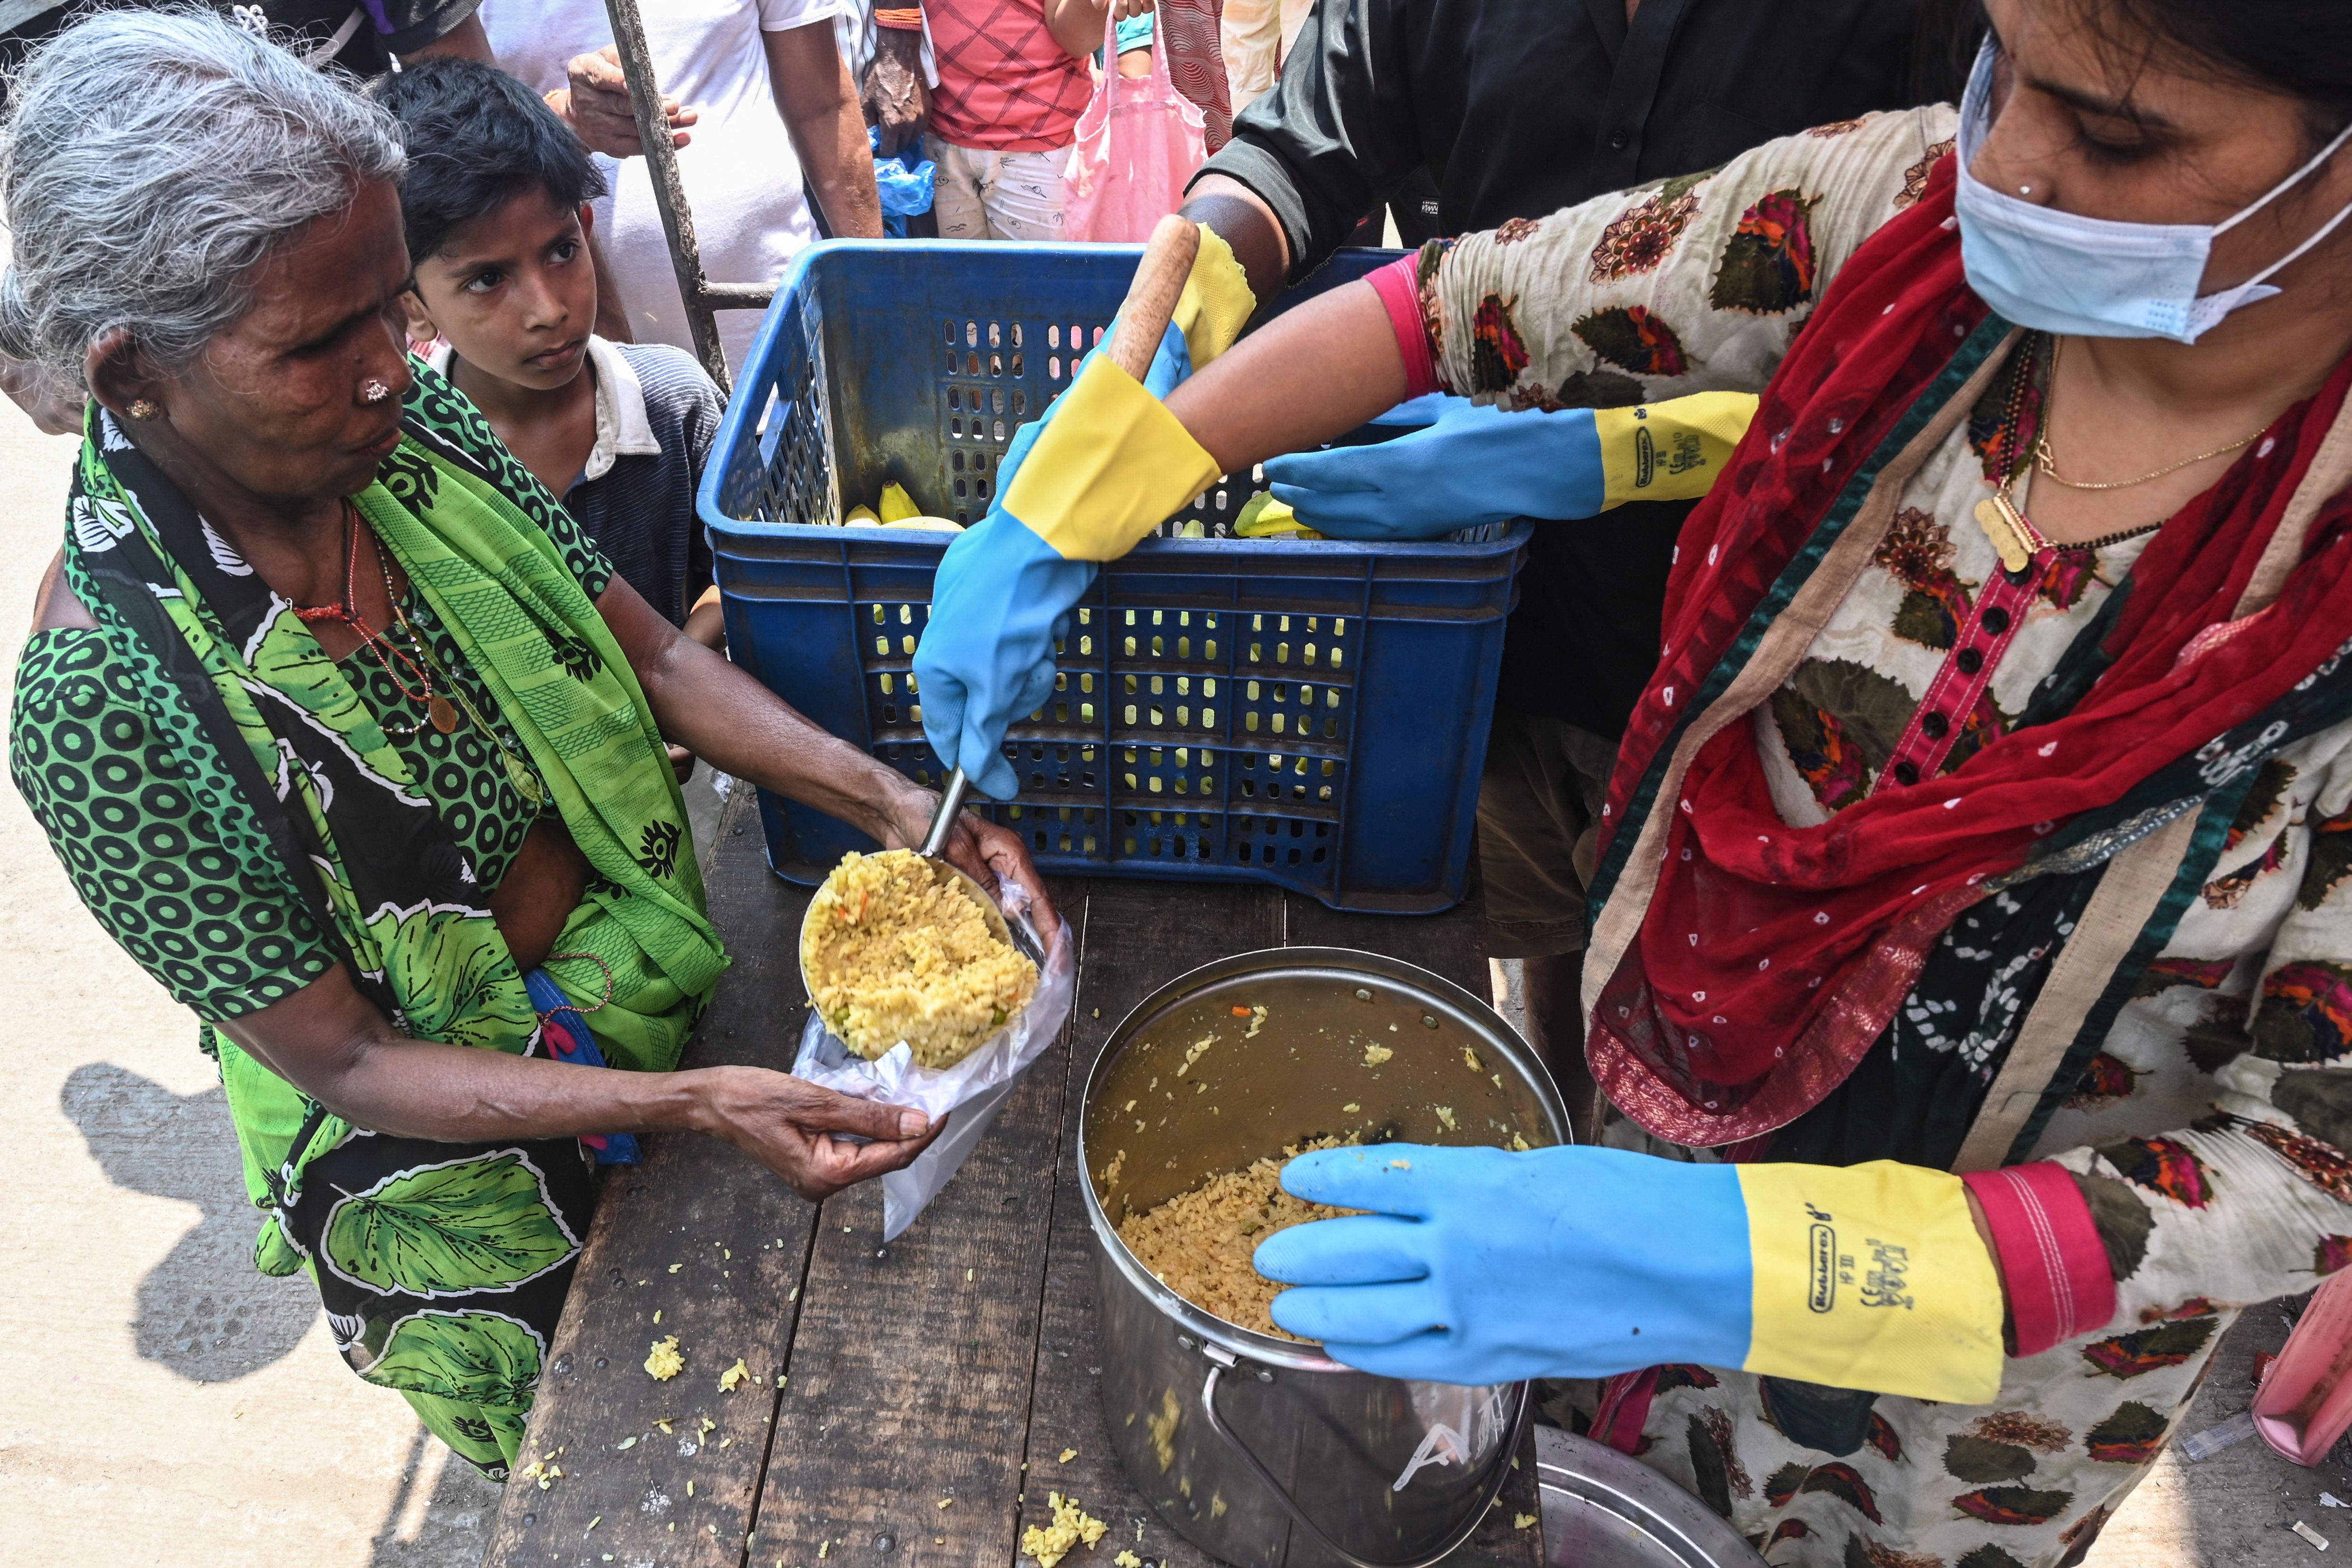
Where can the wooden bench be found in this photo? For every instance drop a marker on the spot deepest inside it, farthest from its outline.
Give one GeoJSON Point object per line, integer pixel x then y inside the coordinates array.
{"type": "Point", "coordinates": [912, 1400]}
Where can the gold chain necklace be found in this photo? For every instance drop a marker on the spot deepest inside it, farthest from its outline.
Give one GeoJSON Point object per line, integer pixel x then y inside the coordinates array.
{"type": "Point", "coordinates": [2014, 537]}
{"type": "Point", "coordinates": [2047, 460]}
{"type": "Point", "coordinates": [518, 772]}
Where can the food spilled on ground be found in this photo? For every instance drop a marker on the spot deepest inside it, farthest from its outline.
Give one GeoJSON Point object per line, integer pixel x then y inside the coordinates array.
{"type": "Point", "coordinates": [1072, 1524]}
{"type": "Point", "coordinates": [895, 949]}
{"type": "Point", "coordinates": [1199, 1243]}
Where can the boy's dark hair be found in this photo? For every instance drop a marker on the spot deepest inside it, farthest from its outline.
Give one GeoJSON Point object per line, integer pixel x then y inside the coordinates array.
{"type": "Point", "coordinates": [476, 139]}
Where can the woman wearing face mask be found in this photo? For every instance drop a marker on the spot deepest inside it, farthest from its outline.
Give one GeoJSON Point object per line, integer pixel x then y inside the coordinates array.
{"type": "Point", "coordinates": [1990, 810]}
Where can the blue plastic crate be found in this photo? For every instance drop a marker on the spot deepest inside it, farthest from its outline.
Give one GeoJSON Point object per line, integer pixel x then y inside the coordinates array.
{"type": "Point", "coordinates": [1301, 711]}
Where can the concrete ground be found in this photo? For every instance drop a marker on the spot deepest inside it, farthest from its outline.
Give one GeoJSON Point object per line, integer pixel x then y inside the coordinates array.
{"type": "Point", "coordinates": [163, 1404]}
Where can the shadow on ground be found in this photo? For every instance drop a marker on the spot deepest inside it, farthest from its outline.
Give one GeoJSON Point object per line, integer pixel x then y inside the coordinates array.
{"type": "Point", "coordinates": [440, 1517]}
{"type": "Point", "coordinates": [203, 1311]}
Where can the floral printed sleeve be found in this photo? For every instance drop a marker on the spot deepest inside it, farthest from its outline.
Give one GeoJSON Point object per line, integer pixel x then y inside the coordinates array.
{"type": "Point", "coordinates": [1697, 283]}
{"type": "Point", "coordinates": [2252, 1198]}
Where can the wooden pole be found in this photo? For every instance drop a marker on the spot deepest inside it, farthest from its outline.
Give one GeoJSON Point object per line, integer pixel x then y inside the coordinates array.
{"type": "Point", "coordinates": [701, 297]}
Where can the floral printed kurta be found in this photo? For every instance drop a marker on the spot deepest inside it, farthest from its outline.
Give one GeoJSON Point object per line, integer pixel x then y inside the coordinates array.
{"type": "Point", "coordinates": [2209, 1134]}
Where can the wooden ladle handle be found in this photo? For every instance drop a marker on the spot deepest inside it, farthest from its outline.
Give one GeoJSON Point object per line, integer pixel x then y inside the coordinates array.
{"type": "Point", "coordinates": [1151, 298]}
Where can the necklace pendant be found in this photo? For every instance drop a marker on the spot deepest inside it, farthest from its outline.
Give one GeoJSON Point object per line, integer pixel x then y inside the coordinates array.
{"type": "Point", "coordinates": [442, 712]}
{"type": "Point", "coordinates": [2013, 537]}
{"type": "Point", "coordinates": [525, 781]}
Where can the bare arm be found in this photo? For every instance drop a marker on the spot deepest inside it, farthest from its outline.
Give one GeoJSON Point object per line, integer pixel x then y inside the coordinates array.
{"type": "Point", "coordinates": [718, 712]}
{"type": "Point", "coordinates": [55, 608]}
{"type": "Point", "coordinates": [819, 105]}
{"type": "Point", "coordinates": [1248, 224]}
{"type": "Point", "coordinates": [1080, 25]}
{"type": "Point", "coordinates": [1077, 25]}
{"type": "Point", "coordinates": [332, 1043]}
{"type": "Point", "coordinates": [1310, 374]}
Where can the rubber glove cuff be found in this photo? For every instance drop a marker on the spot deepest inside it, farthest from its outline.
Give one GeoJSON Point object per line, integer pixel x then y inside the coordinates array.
{"type": "Point", "coordinates": [1872, 1276]}
{"type": "Point", "coordinates": [1110, 464]}
{"type": "Point", "coordinates": [1216, 302]}
{"type": "Point", "coordinates": [1669, 451]}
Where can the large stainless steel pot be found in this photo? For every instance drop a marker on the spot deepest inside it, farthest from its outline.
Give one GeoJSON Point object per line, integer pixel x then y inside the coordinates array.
{"type": "Point", "coordinates": [1263, 1452]}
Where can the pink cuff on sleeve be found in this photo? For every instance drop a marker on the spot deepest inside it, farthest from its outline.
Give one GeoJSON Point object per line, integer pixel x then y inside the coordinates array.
{"type": "Point", "coordinates": [2055, 1267]}
{"type": "Point", "coordinates": [1399, 287]}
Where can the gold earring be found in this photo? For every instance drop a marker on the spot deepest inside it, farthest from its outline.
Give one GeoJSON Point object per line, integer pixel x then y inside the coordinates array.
{"type": "Point", "coordinates": [142, 409]}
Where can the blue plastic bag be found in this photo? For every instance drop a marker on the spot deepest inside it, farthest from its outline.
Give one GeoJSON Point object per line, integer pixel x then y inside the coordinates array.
{"type": "Point", "coordinates": [903, 181]}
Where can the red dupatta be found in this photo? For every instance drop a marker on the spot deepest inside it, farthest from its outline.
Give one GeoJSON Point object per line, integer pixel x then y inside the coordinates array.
{"type": "Point", "coordinates": [1757, 962]}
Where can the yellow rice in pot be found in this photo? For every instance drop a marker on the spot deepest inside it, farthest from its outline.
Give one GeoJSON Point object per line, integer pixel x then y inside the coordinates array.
{"type": "Point", "coordinates": [895, 952]}
{"type": "Point", "coordinates": [1200, 1243]}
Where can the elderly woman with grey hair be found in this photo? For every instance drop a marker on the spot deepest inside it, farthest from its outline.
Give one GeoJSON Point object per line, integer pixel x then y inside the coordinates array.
{"type": "Point", "coordinates": [350, 736]}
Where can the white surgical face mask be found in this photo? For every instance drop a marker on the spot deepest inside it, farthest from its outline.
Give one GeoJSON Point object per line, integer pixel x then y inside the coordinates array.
{"type": "Point", "coordinates": [2095, 278]}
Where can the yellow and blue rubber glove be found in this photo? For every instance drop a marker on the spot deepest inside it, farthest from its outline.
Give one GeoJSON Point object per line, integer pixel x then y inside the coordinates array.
{"type": "Point", "coordinates": [1463, 464]}
{"type": "Point", "coordinates": [1483, 1266]}
{"type": "Point", "coordinates": [1105, 465]}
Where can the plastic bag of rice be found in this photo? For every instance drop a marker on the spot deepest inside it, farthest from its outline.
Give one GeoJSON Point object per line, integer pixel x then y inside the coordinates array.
{"type": "Point", "coordinates": [895, 949]}
{"type": "Point", "coordinates": [921, 998]}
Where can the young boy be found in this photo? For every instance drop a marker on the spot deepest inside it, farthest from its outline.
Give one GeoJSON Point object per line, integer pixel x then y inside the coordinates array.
{"type": "Point", "coordinates": [496, 207]}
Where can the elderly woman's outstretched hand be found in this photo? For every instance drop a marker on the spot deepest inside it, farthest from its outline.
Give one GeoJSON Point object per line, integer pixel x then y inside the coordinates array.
{"type": "Point", "coordinates": [787, 1125]}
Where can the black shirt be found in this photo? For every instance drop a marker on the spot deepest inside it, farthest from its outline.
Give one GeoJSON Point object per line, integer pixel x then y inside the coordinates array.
{"type": "Point", "coordinates": [1519, 108]}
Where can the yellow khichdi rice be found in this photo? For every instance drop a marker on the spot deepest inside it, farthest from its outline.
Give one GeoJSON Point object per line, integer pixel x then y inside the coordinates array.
{"type": "Point", "coordinates": [895, 949]}
{"type": "Point", "coordinates": [1199, 1243]}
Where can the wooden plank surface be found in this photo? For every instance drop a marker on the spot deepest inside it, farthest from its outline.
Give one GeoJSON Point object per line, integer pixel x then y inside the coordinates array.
{"type": "Point", "coordinates": [1451, 944]}
{"type": "Point", "coordinates": [1140, 936]}
{"type": "Point", "coordinates": [906, 1382]}
{"type": "Point", "coordinates": [910, 1379]}
{"type": "Point", "coordinates": [740, 1241]}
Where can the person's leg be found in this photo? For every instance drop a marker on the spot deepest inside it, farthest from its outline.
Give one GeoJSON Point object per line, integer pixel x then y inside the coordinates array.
{"type": "Point", "coordinates": [955, 190]}
{"type": "Point", "coordinates": [471, 1365]}
{"type": "Point", "coordinates": [1249, 35]}
{"type": "Point", "coordinates": [1025, 197]}
{"type": "Point", "coordinates": [1538, 810]}
{"type": "Point", "coordinates": [1292, 17]}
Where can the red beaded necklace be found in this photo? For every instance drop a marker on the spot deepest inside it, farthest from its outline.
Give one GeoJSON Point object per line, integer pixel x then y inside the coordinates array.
{"type": "Point", "coordinates": [438, 707]}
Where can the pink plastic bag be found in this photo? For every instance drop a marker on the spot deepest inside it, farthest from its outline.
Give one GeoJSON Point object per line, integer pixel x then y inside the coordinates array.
{"type": "Point", "coordinates": [2305, 1401]}
{"type": "Point", "coordinates": [1138, 143]}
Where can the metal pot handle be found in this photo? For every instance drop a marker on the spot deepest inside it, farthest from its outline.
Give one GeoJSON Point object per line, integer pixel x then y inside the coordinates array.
{"type": "Point", "coordinates": [1452, 1543]}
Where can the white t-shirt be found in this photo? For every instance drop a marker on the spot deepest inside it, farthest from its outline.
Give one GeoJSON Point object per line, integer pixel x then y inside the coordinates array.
{"type": "Point", "coordinates": [742, 178]}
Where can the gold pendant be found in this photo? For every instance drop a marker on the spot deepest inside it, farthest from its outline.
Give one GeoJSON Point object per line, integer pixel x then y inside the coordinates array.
{"type": "Point", "coordinates": [442, 712]}
{"type": "Point", "coordinates": [2013, 537]}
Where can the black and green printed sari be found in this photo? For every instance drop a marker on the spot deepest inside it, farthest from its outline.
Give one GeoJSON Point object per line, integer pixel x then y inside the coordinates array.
{"type": "Point", "coordinates": [243, 813]}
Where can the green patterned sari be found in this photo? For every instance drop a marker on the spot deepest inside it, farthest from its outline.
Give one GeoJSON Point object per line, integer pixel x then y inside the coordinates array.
{"type": "Point", "coordinates": [243, 812]}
